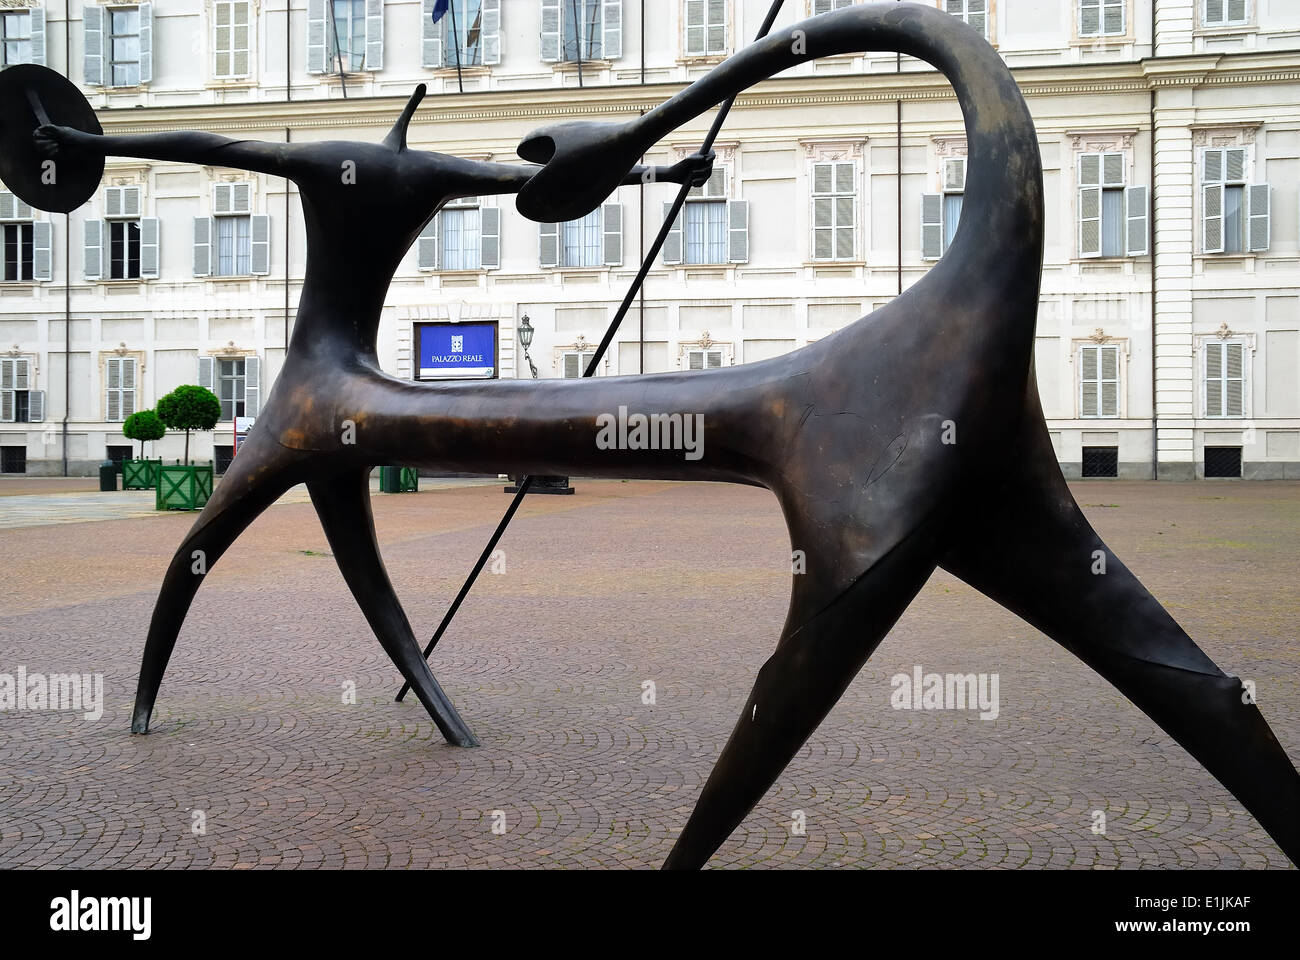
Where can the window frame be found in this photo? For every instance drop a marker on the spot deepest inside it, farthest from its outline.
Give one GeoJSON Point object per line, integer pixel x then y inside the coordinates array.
{"type": "Point", "coordinates": [5, 41]}
{"type": "Point", "coordinates": [238, 402]}
{"type": "Point", "coordinates": [1102, 33]}
{"type": "Point", "coordinates": [111, 36]}
{"type": "Point", "coordinates": [1100, 380]}
{"type": "Point", "coordinates": [229, 54]}
{"type": "Point", "coordinates": [834, 195]}
{"type": "Point", "coordinates": [964, 15]}
{"type": "Point", "coordinates": [728, 20]}
{"type": "Point", "coordinates": [121, 391]}
{"type": "Point", "coordinates": [26, 259]}
{"type": "Point", "coordinates": [1203, 21]}
{"type": "Point", "coordinates": [1221, 344]}
{"type": "Point", "coordinates": [334, 35]}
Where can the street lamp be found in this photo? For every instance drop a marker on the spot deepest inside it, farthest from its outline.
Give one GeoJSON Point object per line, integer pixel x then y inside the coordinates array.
{"type": "Point", "coordinates": [558, 485]}
{"type": "Point", "coordinates": [526, 340]}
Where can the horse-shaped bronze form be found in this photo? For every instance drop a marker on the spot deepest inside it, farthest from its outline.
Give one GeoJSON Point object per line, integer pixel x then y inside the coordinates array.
{"type": "Point", "coordinates": [910, 439]}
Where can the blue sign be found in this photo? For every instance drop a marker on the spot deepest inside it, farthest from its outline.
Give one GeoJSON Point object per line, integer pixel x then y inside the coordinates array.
{"type": "Point", "coordinates": [456, 350]}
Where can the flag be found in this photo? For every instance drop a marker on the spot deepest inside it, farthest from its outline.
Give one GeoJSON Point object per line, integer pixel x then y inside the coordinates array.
{"type": "Point", "coordinates": [440, 9]}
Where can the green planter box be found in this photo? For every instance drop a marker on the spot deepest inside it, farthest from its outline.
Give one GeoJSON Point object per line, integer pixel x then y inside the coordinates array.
{"type": "Point", "coordinates": [183, 488]}
{"type": "Point", "coordinates": [140, 474]}
{"type": "Point", "coordinates": [398, 480]}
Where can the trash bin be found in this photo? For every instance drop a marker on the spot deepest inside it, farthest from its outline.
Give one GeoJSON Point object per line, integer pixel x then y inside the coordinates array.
{"type": "Point", "coordinates": [108, 475]}
{"type": "Point", "coordinates": [398, 480]}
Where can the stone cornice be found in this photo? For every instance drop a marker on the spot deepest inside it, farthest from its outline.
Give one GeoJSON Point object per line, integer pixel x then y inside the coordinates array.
{"type": "Point", "coordinates": [627, 100]}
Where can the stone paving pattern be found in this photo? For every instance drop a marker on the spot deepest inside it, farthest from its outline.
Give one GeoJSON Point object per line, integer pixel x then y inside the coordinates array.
{"type": "Point", "coordinates": [681, 584]}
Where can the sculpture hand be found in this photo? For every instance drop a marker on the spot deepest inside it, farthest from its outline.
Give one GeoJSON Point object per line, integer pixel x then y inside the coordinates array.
{"type": "Point", "coordinates": [697, 168]}
{"type": "Point", "coordinates": [54, 141]}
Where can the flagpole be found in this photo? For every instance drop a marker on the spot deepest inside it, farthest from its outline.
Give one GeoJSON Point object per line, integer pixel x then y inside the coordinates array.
{"type": "Point", "coordinates": [455, 38]}
{"type": "Point", "coordinates": [338, 52]}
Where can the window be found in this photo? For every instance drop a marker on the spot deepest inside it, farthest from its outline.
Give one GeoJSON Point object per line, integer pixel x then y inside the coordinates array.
{"type": "Point", "coordinates": [1099, 381]}
{"type": "Point", "coordinates": [575, 363]}
{"type": "Point", "coordinates": [703, 359]}
{"type": "Point", "coordinates": [1113, 218]}
{"type": "Point", "coordinates": [233, 242]}
{"type": "Point", "coordinates": [119, 452]}
{"type": "Point", "coordinates": [582, 29]}
{"type": "Point", "coordinates": [710, 228]}
{"type": "Point", "coordinates": [1235, 214]}
{"type": "Point", "coordinates": [594, 241]}
{"type": "Point", "coordinates": [1224, 379]}
{"type": "Point", "coordinates": [123, 246]}
{"type": "Point", "coordinates": [24, 243]}
{"type": "Point", "coordinates": [15, 37]}
{"type": "Point", "coordinates": [346, 35]}
{"type": "Point", "coordinates": [237, 382]}
{"type": "Point", "coordinates": [232, 40]}
{"type": "Point", "coordinates": [477, 34]}
{"type": "Point", "coordinates": [834, 206]}
{"type": "Point", "coordinates": [117, 44]}
{"type": "Point", "coordinates": [19, 403]}
{"type": "Point", "coordinates": [1102, 18]}
{"type": "Point", "coordinates": [826, 6]}
{"type": "Point", "coordinates": [973, 12]}
{"type": "Point", "coordinates": [941, 212]}
{"type": "Point", "coordinates": [464, 235]}
{"type": "Point", "coordinates": [13, 459]}
{"type": "Point", "coordinates": [119, 385]}
{"type": "Point", "coordinates": [1100, 462]}
{"type": "Point", "coordinates": [230, 388]}
{"type": "Point", "coordinates": [1223, 13]}
{"type": "Point", "coordinates": [1223, 462]}
{"type": "Point", "coordinates": [706, 28]}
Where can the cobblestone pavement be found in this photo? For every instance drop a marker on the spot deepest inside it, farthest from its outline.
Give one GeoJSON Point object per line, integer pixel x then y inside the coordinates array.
{"type": "Point", "coordinates": [680, 584]}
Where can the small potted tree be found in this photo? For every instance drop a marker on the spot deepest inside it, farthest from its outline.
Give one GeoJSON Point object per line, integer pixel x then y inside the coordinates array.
{"type": "Point", "coordinates": [183, 486]}
{"type": "Point", "coordinates": [142, 474]}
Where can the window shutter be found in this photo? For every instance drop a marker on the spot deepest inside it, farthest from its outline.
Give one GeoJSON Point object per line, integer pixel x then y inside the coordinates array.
{"type": "Point", "coordinates": [241, 196]}
{"type": "Point", "coordinates": [8, 202]}
{"type": "Point", "coordinates": [717, 42]}
{"type": "Point", "coordinates": [260, 232]}
{"type": "Point", "coordinates": [241, 41]}
{"type": "Point", "coordinates": [1090, 178]}
{"type": "Point", "coordinates": [1113, 16]}
{"type": "Point", "coordinates": [374, 35]}
{"type": "Point", "coordinates": [977, 16]}
{"type": "Point", "coordinates": [206, 375]}
{"type": "Point", "coordinates": [1088, 382]}
{"type": "Point", "coordinates": [1234, 165]}
{"type": "Point", "coordinates": [1212, 218]}
{"type": "Point", "coordinates": [113, 389]}
{"type": "Point", "coordinates": [38, 35]}
{"type": "Point", "coordinates": [612, 41]}
{"type": "Point", "coordinates": [94, 249]}
{"type": "Point", "coordinates": [695, 360]}
{"type": "Point", "coordinates": [931, 226]}
{"type": "Point", "coordinates": [426, 246]}
{"type": "Point", "coordinates": [1214, 379]}
{"type": "Point", "coordinates": [738, 231]}
{"type": "Point", "coordinates": [128, 387]}
{"type": "Point", "coordinates": [1214, 12]}
{"type": "Point", "coordinates": [489, 238]}
{"type": "Point", "coordinates": [572, 366]}
{"type": "Point", "coordinates": [22, 378]}
{"type": "Point", "coordinates": [36, 406]}
{"type": "Point", "coordinates": [1109, 381]}
{"type": "Point", "coordinates": [1258, 209]}
{"type": "Point", "coordinates": [1236, 11]}
{"type": "Point", "coordinates": [146, 43]}
{"type": "Point", "coordinates": [696, 44]}
{"type": "Point", "coordinates": [548, 244]}
{"type": "Point", "coordinates": [954, 175]}
{"type": "Point", "coordinates": [550, 30]}
{"type": "Point", "coordinates": [431, 47]}
{"type": "Point", "coordinates": [612, 228]}
{"type": "Point", "coordinates": [1089, 18]}
{"type": "Point", "coordinates": [673, 242]}
{"type": "Point", "coordinates": [150, 250]}
{"type": "Point", "coordinates": [491, 32]}
{"type": "Point", "coordinates": [113, 201]}
{"type": "Point", "coordinates": [7, 412]}
{"type": "Point", "coordinates": [316, 36]}
{"type": "Point", "coordinates": [1233, 406]}
{"type": "Point", "coordinates": [1136, 212]}
{"type": "Point", "coordinates": [1212, 166]}
{"type": "Point", "coordinates": [42, 251]}
{"type": "Point", "coordinates": [204, 248]}
{"type": "Point", "coordinates": [92, 34]}
{"type": "Point", "coordinates": [252, 385]}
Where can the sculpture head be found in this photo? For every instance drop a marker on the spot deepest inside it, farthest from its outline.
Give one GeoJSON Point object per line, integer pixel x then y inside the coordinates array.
{"type": "Point", "coordinates": [583, 162]}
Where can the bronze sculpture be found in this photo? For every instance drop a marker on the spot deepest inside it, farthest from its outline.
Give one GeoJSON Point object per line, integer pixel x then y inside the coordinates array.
{"type": "Point", "coordinates": [911, 439]}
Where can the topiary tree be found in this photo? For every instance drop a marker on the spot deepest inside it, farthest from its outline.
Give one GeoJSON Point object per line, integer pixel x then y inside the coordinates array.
{"type": "Point", "coordinates": [144, 425]}
{"type": "Point", "coordinates": [190, 407]}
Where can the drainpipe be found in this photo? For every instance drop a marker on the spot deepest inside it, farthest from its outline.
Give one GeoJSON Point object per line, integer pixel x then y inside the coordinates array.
{"type": "Point", "coordinates": [898, 165]}
{"type": "Point", "coordinates": [1155, 413]}
{"type": "Point", "coordinates": [67, 264]}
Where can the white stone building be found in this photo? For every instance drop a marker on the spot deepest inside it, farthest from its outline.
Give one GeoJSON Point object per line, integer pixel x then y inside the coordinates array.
{"type": "Point", "coordinates": [1169, 331]}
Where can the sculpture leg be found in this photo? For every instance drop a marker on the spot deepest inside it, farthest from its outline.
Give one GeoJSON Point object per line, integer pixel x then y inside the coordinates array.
{"type": "Point", "coordinates": [1031, 549]}
{"type": "Point", "coordinates": [257, 477]}
{"type": "Point", "coordinates": [819, 655]}
{"type": "Point", "coordinates": [343, 505]}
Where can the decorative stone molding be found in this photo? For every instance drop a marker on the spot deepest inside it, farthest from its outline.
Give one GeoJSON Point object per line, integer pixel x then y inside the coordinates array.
{"type": "Point", "coordinates": [1235, 135]}
{"type": "Point", "coordinates": [705, 342]}
{"type": "Point", "coordinates": [1101, 141]}
{"type": "Point", "coordinates": [949, 147]}
{"type": "Point", "coordinates": [823, 151]}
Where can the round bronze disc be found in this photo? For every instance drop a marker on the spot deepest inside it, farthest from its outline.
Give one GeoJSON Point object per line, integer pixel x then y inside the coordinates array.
{"type": "Point", "coordinates": [67, 182]}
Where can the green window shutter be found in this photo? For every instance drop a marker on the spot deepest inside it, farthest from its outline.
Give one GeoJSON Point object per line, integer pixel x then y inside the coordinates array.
{"type": "Point", "coordinates": [1258, 210]}
{"type": "Point", "coordinates": [92, 44]}
{"type": "Point", "coordinates": [374, 35]}
{"type": "Point", "coordinates": [611, 224]}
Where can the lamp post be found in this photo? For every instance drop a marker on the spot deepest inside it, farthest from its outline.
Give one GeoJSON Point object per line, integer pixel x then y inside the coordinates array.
{"type": "Point", "coordinates": [540, 484]}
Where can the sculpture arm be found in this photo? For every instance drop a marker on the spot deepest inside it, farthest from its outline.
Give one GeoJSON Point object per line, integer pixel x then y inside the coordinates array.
{"type": "Point", "coordinates": [481, 178]}
{"type": "Point", "coordinates": [188, 146]}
